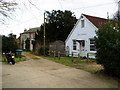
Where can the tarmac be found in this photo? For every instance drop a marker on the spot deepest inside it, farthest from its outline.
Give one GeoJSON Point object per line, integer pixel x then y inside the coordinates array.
{"type": "Point", "coordinates": [47, 74]}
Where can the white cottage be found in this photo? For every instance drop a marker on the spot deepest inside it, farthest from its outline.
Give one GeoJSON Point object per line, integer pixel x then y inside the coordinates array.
{"type": "Point", "coordinates": [81, 38]}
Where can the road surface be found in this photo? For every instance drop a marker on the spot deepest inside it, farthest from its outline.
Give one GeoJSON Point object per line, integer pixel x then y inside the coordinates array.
{"type": "Point", "coordinates": [47, 74]}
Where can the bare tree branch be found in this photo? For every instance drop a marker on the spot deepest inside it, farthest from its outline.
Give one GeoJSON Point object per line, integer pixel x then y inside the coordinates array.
{"type": "Point", "coordinates": [6, 9]}
{"type": "Point", "coordinates": [33, 4]}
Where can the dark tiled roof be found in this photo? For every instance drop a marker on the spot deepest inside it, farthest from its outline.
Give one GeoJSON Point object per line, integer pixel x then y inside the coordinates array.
{"type": "Point", "coordinates": [97, 20]}
{"type": "Point", "coordinates": [32, 30]}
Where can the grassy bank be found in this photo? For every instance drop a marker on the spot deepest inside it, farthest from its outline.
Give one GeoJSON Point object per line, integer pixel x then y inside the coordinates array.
{"type": "Point", "coordinates": [88, 65]}
{"type": "Point", "coordinates": [69, 61]}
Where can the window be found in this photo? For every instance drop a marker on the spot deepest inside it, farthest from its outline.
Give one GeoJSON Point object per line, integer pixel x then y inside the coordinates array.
{"type": "Point", "coordinates": [92, 45]}
{"type": "Point", "coordinates": [92, 41]}
{"type": "Point", "coordinates": [74, 45]}
{"type": "Point", "coordinates": [82, 23]}
{"type": "Point", "coordinates": [82, 43]}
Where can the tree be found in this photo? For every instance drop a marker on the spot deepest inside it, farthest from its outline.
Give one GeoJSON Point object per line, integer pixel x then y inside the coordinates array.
{"type": "Point", "coordinates": [58, 25]}
{"type": "Point", "coordinates": [6, 8]}
{"type": "Point", "coordinates": [117, 14]}
{"type": "Point", "coordinates": [108, 47]}
{"type": "Point", "coordinates": [9, 43]}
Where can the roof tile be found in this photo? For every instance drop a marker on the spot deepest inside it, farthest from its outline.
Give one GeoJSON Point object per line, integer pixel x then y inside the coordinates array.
{"type": "Point", "coordinates": [97, 20]}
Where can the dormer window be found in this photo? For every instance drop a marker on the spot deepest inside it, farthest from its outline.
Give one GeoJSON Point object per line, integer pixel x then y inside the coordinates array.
{"type": "Point", "coordinates": [82, 23]}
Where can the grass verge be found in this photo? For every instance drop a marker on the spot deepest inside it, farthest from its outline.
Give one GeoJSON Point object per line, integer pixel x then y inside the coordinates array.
{"type": "Point", "coordinates": [3, 59]}
{"type": "Point", "coordinates": [36, 58]}
{"type": "Point", "coordinates": [69, 61]}
{"type": "Point", "coordinates": [88, 65]}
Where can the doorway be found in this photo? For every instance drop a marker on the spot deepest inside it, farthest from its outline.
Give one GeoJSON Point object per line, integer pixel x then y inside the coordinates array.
{"type": "Point", "coordinates": [82, 48]}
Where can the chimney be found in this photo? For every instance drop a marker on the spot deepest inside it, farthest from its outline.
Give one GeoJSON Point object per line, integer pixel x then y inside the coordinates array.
{"type": "Point", "coordinates": [14, 36]}
{"type": "Point", "coordinates": [25, 30]}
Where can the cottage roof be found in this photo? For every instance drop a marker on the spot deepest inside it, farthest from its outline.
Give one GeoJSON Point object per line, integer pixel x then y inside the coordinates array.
{"type": "Point", "coordinates": [32, 30]}
{"type": "Point", "coordinates": [97, 20]}
{"type": "Point", "coordinates": [57, 42]}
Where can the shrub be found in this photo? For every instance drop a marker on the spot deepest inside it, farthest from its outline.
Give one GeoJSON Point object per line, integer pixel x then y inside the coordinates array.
{"type": "Point", "coordinates": [9, 43]}
{"type": "Point", "coordinates": [108, 48]}
{"type": "Point", "coordinates": [27, 44]}
{"type": "Point", "coordinates": [41, 52]}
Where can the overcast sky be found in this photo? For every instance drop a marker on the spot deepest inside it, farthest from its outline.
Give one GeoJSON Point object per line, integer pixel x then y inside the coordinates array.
{"type": "Point", "coordinates": [30, 16]}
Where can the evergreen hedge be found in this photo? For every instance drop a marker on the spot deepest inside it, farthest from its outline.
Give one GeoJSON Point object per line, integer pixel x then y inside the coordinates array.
{"type": "Point", "coordinates": [108, 48]}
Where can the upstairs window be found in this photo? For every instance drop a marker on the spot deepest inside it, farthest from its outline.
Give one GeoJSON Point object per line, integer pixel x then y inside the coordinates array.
{"type": "Point", "coordinates": [82, 23]}
{"type": "Point", "coordinates": [74, 45]}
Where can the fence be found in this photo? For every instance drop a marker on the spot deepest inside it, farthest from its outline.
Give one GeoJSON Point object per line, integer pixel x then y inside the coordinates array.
{"type": "Point", "coordinates": [59, 54]}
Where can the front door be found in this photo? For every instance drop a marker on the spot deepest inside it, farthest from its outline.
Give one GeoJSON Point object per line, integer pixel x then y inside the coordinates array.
{"type": "Point", "coordinates": [82, 48]}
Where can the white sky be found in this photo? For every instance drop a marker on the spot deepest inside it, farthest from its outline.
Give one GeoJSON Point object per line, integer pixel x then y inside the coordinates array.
{"type": "Point", "coordinates": [28, 16]}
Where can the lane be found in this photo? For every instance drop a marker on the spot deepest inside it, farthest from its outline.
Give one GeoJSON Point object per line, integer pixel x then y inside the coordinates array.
{"type": "Point", "coordinates": [47, 74]}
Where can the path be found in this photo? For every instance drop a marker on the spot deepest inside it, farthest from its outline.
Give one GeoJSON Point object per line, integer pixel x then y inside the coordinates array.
{"type": "Point", "coordinates": [47, 74]}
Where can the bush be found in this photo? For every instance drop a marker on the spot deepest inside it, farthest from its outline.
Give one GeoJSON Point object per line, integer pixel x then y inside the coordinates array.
{"type": "Point", "coordinates": [108, 48]}
{"type": "Point", "coordinates": [41, 52]}
{"type": "Point", "coordinates": [27, 44]}
{"type": "Point", "coordinates": [9, 43]}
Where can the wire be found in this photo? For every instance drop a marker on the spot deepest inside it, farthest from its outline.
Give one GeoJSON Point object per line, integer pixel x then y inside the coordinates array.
{"type": "Point", "coordinates": [60, 5]}
{"type": "Point", "coordinates": [93, 6]}
{"type": "Point", "coordinates": [16, 25]}
{"type": "Point", "coordinates": [33, 5]}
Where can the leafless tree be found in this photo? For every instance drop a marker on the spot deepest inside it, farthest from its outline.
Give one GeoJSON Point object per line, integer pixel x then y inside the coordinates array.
{"type": "Point", "coordinates": [6, 9]}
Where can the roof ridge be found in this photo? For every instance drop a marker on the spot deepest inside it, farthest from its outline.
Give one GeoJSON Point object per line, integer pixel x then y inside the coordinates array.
{"type": "Point", "coordinates": [94, 16]}
{"type": "Point", "coordinates": [97, 20]}
{"type": "Point", "coordinates": [99, 17]}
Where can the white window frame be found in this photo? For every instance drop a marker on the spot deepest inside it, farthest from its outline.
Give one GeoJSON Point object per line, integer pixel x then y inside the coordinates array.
{"type": "Point", "coordinates": [74, 45]}
{"type": "Point", "coordinates": [92, 45]}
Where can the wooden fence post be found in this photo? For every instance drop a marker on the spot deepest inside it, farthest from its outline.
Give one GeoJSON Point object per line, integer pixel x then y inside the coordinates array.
{"type": "Point", "coordinates": [54, 54]}
{"type": "Point", "coordinates": [48, 53]}
{"type": "Point", "coordinates": [59, 55]}
{"type": "Point", "coordinates": [78, 56]}
{"type": "Point", "coordinates": [87, 56]}
{"type": "Point", "coordinates": [72, 57]}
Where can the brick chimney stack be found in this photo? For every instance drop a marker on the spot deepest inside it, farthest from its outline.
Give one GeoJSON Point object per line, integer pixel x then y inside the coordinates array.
{"type": "Point", "coordinates": [25, 30]}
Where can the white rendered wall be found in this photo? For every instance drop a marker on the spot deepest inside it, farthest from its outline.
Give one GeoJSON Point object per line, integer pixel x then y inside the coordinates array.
{"type": "Point", "coordinates": [79, 33]}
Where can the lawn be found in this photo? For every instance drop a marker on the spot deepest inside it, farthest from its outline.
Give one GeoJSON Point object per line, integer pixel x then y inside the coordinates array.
{"type": "Point", "coordinates": [69, 61]}
{"type": "Point", "coordinates": [88, 65]}
{"type": "Point", "coordinates": [92, 68]}
{"type": "Point", "coordinates": [3, 59]}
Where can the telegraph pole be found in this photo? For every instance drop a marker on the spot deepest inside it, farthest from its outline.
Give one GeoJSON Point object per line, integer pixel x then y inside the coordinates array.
{"type": "Point", "coordinates": [44, 34]}
{"type": "Point", "coordinates": [118, 11]}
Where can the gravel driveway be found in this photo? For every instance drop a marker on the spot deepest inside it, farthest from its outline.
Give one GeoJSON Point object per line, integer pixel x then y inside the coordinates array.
{"type": "Point", "coordinates": [47, 74]}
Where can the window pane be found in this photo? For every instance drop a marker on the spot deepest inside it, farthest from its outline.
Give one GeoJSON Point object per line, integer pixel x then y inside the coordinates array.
{"type": "Point", "coordinates": [74, 45]}
{"type": "Point", "coordinates": [92, 47]}
{"type": "Point", "coordinates": [92, 41]}
{"type": "Point", "coordinates": [82, 23]}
